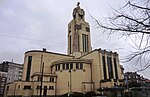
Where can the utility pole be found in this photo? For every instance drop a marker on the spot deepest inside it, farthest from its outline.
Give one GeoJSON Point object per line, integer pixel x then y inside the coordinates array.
{"type": "Point", "coordinates": [41, 62]}
{"type": "Point", "coordinates": [41, 80]}
{"type": "Point", "coordinates": [70, 83]}
{"type": "Point", "coordinates": [41, 71]}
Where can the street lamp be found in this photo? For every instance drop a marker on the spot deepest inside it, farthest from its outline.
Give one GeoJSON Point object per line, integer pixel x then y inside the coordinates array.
{"type": "Point", "coordinates": [70, 83]}
{"type": "Point", "coordinates": [41, 71]}
{"type": "Point", "coordinates": [41, 80]}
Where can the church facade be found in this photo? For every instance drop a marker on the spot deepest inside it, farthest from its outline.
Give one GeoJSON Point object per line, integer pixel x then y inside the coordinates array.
{"type": "Point", "coordinates": [82, 70]}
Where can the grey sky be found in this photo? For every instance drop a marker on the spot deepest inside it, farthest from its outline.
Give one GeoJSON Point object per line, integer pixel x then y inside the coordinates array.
{"type": "Point", "coordinates": [36, 24]}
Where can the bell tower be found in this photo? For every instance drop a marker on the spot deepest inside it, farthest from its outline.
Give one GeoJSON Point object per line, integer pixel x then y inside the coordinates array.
{"type": "Point", "coordinates": [79, 42]}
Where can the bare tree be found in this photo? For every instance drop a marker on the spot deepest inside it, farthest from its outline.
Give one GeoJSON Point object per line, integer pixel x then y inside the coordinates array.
{"type": "Point", "coordinates": [132, 21]}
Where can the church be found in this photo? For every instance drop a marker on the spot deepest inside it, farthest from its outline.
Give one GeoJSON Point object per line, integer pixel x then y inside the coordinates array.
{"type": "Point", "coordinates": [82, 70]}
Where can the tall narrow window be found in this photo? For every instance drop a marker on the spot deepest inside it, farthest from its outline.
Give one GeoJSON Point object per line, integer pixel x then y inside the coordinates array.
{"type": "Point", "coordinates": [51, 79]}
{"type": "Point", "coordinates": [85, 42]}
{"type": "Point", "coordinates": [67, 66]}
{"type": "Point", "coordinates": [81, 65]}
{"type": "Point", "coordinates": [39, 78]}
{"type": "Point", "coordinates": [70, 44]}
{"type": "Point", "coordinates": [58, 67]}
{"type": "Point", "coordinates": [115, 65]}
{"type": "Point", "coordinates": [104, 68]}
{"type": "Point", "coordinates": [110, 69]}
{"type": "Point", "coordinates": [78, 43]}
{"type": "Point", "coordinates": [28, 68]}
{"type": "Point", "coordinates": [77, 65]}
{"type": "Point", "coordinates": [63, 66]}
{"type": "Point", "coordinates": [71, 65]}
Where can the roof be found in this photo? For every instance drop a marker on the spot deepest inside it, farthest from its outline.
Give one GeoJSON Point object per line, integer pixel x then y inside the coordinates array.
{"type": "Point", "coordinates": [11, 63]}
{"type": "Point", "coordinates": [102, 51]}
{"type": "Point", "coordinates": [47, 52]}
{"type": "Point", "coordinates": [44, 74]}
{"type": "Point", "coordinates": [71, 60]}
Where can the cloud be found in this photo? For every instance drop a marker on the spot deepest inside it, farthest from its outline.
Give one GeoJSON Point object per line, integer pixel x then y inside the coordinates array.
{"type": "Point", "coordinates": [11, 56]}
{"type": "Point", "coordinates": [34, 24]}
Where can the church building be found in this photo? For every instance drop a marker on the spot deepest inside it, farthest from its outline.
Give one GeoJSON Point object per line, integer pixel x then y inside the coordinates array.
{"type": "Point", "coordinates": [82, 70]}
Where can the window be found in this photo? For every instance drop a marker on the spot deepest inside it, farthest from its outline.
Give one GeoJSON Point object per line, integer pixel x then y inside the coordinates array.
{"type": "Point", "coordinates": [70, 44]}
{"type": "Point", "coordinates": [71, 65]}
{"type": "Point", "coordinates": [78, 43]}
{"type": "Point", "coordinates": [115, 65]}
{"type": "Point", "coordinates": [63, 66]}
{"type": "Point", "coordinates": [77, 65]}
{"type": "Point", "coordinates": [29, 68]}
{"type": "Point", "coordinates": [104, 67]}
{"type": "Point", "coordinates": [110, 69]}
{"type": "Point", "coordinates": [85, 42]}
{"type": "Point", "coordinates": [51, 79]}
{"type": "Point", "coordinates": [45, 87]}
{"type": "Point", "coordinates": [39, 78]}
{"type": "Point", "coordinates": [67, 66]}
{"type": "Point", "coordinates": [81, 65]}
{"type": "Point", "coordinates": [51, 87]}
{"type": "Point", "coordinates": [27, 87]}
{"type": "Point", "coordinates": [58, 67]}
{"type": "Point", "coordinates": [38, 87]}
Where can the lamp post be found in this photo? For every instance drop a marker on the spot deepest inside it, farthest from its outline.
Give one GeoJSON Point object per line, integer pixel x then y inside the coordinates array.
{"type": "Point", "coordinates": [41, 71]}
{"type": "Point", "coordinates": [41, 80]}
{"type": "Point", "coordinates": [70, 83]}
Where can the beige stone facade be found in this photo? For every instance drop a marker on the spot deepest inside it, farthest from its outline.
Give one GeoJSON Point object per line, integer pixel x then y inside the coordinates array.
{"type": "Point", "coordinates": [81, 70]}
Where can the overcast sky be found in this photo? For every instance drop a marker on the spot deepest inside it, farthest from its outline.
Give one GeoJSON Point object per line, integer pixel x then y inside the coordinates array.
{"type": "Point", "coordinates": [36, 24]}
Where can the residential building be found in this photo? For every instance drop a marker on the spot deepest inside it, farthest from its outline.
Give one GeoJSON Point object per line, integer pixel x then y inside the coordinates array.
{"type": "Point", "coordinates": [134, 79]}
{"type": "Point", "coordinates": [3, 79]}
{"type": "Point", "coordinates": [82, 70]}
{"type": "Point", "coordinates": [9, 72]}
{"type": "Point", "coordinates": [13, 70]}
